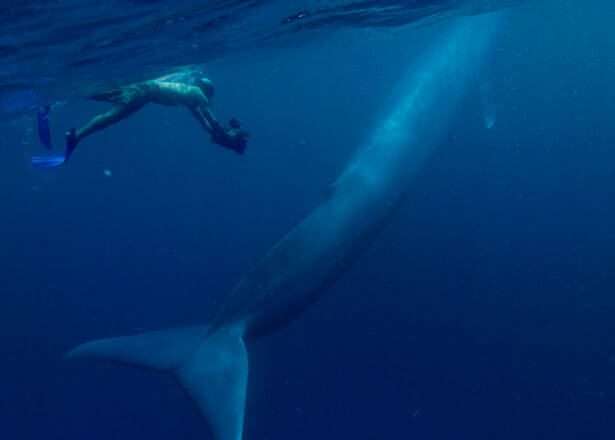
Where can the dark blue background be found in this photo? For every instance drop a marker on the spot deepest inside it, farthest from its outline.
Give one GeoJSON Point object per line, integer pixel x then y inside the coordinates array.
{"type": "Point", "coordinates": [485, 310]}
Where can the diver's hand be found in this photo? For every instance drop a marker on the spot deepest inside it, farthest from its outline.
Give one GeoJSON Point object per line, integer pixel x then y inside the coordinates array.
{"type": "Point", "coordinates": [232, 138]}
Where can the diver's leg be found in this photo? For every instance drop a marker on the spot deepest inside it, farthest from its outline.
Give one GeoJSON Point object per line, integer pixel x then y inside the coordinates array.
{"type": "Point", "coordinates": [98, 123]}
{"type": "Point", "coordinates": [104, 120]}
{"type": "Point", "coordinates": [112, 96]}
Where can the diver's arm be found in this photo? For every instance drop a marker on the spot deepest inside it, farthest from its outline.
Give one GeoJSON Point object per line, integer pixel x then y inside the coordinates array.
{"type": "Point", "coordinates": [233, 138]}
{"type": "Point", "coordinates": [206, 119]}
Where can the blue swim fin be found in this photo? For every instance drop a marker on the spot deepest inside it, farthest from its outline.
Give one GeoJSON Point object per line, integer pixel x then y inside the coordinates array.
{"type": "Point", "coordinates": [48, 161]}
{"type": "Point", "coordinates": [57, 160]}
{"type": "Point", "coordinates": [44, 132]}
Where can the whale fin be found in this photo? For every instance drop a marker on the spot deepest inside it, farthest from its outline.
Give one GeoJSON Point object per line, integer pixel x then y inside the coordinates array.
{"type": "Point", "coordinates": [213, 368]}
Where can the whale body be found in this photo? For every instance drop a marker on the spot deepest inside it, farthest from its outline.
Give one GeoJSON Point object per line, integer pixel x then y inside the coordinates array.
{"type": "Point", "coordinates": [211, 362]}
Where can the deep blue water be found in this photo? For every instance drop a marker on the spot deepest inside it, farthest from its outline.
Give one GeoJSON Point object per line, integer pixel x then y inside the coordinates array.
{"type": "Point", "coordinates": [483, 311]}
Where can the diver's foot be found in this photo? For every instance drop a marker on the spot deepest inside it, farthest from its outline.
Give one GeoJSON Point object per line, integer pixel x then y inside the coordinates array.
{"type": "Point", "coordinates": [71, 143]}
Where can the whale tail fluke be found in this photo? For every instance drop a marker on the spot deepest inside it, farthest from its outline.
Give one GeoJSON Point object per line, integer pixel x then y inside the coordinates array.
{"type": "Point", "coordinates": [213, 368]}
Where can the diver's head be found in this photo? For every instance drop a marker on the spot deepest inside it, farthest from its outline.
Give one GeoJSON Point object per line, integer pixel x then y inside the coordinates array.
{"type": "Point", "coordinates": [206, 86]}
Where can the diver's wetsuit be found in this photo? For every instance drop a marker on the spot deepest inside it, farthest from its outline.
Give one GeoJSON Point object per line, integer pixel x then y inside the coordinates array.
{"type": "Point", "coordinates": [130, 99]}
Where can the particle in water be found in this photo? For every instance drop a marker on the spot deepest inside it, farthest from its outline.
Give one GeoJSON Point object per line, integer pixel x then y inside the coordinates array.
{"type": "Point", "coordinates": [107, 172]}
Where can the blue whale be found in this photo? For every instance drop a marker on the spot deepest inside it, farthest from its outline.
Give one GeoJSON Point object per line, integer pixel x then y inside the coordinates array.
{"type": "Point", "coordinates": [211, 362]}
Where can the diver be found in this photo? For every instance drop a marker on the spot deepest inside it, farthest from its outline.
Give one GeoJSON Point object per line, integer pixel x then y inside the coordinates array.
{"type": "Point", "coordinates": [189, 90]}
